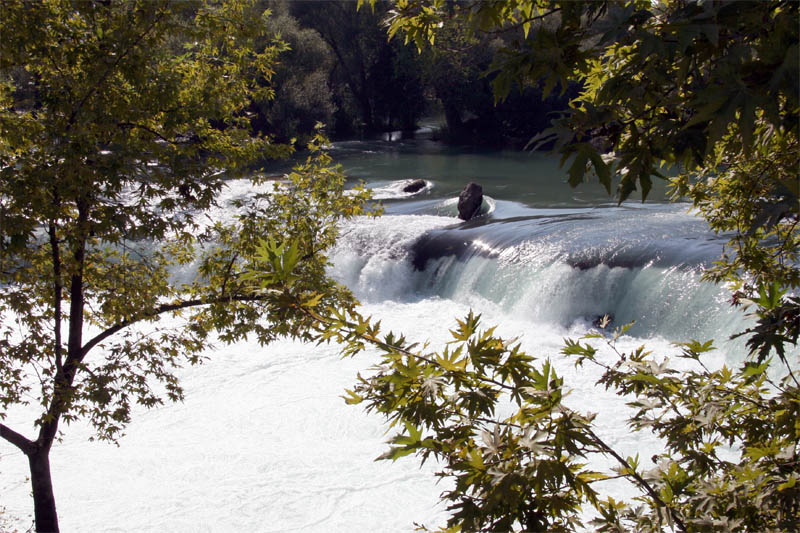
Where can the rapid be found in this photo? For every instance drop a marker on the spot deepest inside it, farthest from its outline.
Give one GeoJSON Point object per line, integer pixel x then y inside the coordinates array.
{"type": "Point", "coordinates": [264, 441]}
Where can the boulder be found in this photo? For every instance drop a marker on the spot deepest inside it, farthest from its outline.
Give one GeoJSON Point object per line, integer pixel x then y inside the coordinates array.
{"type": "Point", "coordinates": [469, 201]}
{"type": "Point", "coordinates": [414, 186]}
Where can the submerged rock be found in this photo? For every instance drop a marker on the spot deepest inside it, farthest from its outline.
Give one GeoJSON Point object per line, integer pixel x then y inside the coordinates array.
{"type": "Point", "coordinates": [415, 186]}
{"type": "Point", "coordinates": [469, 201]}
{"type": "Point", "coordinates": [437, 244]}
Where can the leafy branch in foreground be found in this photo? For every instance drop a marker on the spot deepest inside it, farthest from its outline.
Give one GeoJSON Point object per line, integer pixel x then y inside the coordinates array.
{"type": "Point", "coordinates": [495, 420]}
{"type": "Point", "coordinates": [731, 437]}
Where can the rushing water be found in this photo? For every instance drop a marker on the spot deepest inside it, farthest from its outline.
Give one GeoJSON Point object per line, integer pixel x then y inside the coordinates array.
{"type": "Point", "coordinates": [541, 251]}
{"type": "Point", "coordinates": [264, 442]}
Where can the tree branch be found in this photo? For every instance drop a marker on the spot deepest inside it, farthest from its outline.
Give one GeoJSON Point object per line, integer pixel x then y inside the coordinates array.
{"type": "Point", "coordinates": [154, 133]}
{"type": "Point", "coordinates": [639, 479]}
{"type": "Point", "coordinates": [57, 294]}
{"type": "Point", "coordinates": [160, 310]}
{"type": "Point", "coordinates": [521, 23]}
{"type": "Point", "coordinates": [228, 273]}
{"type": "Point", "coordinates": [392, 348]}
{"type": "Point", "coordinates": [26, 446]}
{"type": "Point", "coordinates": [64, 377]}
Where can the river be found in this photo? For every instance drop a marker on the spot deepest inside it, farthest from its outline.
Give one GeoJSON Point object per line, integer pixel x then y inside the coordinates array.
{"type": "Point", "coordinates": [264, 441]}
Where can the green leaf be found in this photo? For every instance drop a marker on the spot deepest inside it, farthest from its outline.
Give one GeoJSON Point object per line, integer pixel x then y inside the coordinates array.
{"type": "Point", "coordinates": [645, 378]}
{"type": "Point", "coordinates": [601, 169]}
{"type": "Point", "coordinates": [352, 398]}
{"type": "Point", "coordinates": [578, 168]}
{"type": "Point", "coordinates": [646, 183]}
{"type": "Point", "coordinates": [788, 484]}
{"type": "Point", "coordinates": [753, 369]}
{"type": "Point", "coordinates": [313, 300]}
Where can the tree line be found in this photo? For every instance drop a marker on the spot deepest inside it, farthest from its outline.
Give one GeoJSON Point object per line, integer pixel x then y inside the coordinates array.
{"type": "Point", "coordinates": [340, 69]}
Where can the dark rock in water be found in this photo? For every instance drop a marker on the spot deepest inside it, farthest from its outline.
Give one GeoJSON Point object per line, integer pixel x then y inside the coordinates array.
{"type": "Point", "coordinates": [449, 242]}
{"type": "Point", "coordinates": [415, 186]}
{"type": "Point", "coordinates": [618, 261]}
{"type": "Point", "coordinates": [469, 201]}
{"type": "Point", "coordinates": [436, 244]}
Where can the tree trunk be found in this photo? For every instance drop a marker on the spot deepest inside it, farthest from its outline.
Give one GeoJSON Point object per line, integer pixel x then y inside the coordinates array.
{"type": "Point", "coordinates": [44, 502]}
{"type": "Point", "coordinates": [452, 116]}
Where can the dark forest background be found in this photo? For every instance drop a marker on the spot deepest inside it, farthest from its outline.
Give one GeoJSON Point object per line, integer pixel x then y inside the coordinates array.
{"type": "Point", "coordinates": [342, 70]}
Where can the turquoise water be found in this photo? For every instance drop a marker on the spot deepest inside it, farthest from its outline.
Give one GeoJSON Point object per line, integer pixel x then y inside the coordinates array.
{"type": "Point", "coordinates": [533, 179]}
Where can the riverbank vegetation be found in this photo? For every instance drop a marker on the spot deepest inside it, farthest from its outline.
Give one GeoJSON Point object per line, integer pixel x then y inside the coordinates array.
{"type": "Point", "coordinates": [341, 70]}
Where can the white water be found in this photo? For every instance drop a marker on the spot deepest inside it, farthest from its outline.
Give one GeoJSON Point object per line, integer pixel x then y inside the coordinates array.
{"type": "Point", "coordinates": [264, 442]}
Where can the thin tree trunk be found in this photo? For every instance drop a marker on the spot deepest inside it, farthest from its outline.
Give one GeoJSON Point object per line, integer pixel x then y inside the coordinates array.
{"type": "Point", "coordinates": [360, 91]}
{"type": "Point", "coordinates": [44, 501]}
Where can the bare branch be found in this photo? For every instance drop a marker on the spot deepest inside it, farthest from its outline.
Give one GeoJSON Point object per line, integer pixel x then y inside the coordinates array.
{"type": "Point", "coordinates": [26, 446]}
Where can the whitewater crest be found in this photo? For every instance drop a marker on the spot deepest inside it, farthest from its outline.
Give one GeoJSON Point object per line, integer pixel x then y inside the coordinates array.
{"type": "Point", "coordinates": [540, 267]}
{"type": "Point", "coordinates": [372, 256]}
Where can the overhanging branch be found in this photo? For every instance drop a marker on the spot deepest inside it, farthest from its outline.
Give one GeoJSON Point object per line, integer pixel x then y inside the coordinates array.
{"type": "Point", "coordinates": [163, 309]}
{"type": "Point", "coordinates": [605, 448]}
